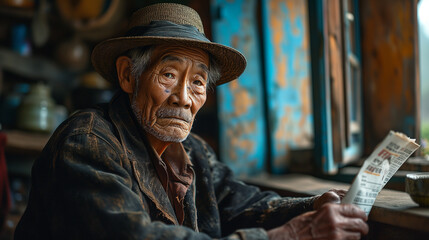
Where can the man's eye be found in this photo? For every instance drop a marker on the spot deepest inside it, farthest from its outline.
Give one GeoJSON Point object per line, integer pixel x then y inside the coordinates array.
{"type": "Point", "coordinates": [169, 75]}
{"type": "Point", "coordinates": [198, 83]}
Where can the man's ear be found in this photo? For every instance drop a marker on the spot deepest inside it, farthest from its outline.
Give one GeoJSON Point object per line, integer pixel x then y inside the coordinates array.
{"type": "Point", "coordinates": [126, 80]}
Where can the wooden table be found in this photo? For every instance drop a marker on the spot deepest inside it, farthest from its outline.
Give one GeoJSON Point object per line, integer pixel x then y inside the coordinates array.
{"type": "Point", "coordinates": [393, 216]}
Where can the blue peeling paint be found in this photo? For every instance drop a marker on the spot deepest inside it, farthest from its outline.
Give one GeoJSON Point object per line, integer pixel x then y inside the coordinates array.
{"type": "Point", "coordinates": [240, 104]}
{"type": "Point", "coordinates": [289, 124]}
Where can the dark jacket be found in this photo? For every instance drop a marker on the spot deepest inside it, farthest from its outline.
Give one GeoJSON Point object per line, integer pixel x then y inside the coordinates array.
{"type": "Point", "coordinates": [95, 180]}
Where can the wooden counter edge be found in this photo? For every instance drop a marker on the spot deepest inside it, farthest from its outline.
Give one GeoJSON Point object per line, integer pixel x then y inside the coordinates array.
{"type": "Point", "coordinates": [391, 207]}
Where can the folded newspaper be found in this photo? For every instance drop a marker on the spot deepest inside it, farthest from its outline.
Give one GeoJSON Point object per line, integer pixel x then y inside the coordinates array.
{"type": "Point", "coordinates": [378, 168]}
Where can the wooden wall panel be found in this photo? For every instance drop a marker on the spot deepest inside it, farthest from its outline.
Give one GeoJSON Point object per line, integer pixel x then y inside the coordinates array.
{"type": "Point", "coordinates": [336, 76]}
{"type": "Point", "coordinates": [321, 88]}
{"type": "Point", "coordinates": [389, 68]}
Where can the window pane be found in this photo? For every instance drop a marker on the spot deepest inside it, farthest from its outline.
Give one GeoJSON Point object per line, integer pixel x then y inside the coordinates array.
{"type": "Point", "coordinates": [423, 18]}
{"type": "Point", "coordinates": [350, 15]}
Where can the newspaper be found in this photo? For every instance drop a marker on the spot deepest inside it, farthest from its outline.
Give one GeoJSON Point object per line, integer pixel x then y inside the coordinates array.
{"type": "Point", "coordinates": [378, 168]}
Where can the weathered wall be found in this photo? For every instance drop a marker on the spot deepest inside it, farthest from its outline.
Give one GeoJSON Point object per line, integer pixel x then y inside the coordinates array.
{"type": "Point", "coordinates": [389, 68]}
{"type": "Point", "coordinates": [240, 103]}
{"type": "Point", "coordinates": [287, 79]}
{"type": "Point", "coordinates": [264, 116]}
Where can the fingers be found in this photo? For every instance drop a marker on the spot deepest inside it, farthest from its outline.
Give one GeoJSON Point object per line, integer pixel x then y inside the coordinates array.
{"type": "Point", "coordinates": [357, 225]}
{"type": "Point", "coordinates": [334, 221]}
{"type": "Point", "coordinates": [352, 211]}
{"type": "Point", "coordinates": [331, 221]}
{"type": "Point", "coordinates": [335, 234]}
{"type": "Point", "coordinates": [344, 210]}
{"type": "Point", "coordinates": [340, 192]}
{"type": "Point", "coordinates": [328, 197]}
{"type": "Point", "coordinates": [331, 197]}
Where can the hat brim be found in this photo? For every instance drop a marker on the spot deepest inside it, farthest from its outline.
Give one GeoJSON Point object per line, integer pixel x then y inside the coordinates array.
{"type": "Point", "coordinates": [231, 62]}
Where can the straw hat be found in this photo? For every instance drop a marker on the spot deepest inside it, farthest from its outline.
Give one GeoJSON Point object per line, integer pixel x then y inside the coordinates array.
{"type": "Point", "coordinates": [166, 23]}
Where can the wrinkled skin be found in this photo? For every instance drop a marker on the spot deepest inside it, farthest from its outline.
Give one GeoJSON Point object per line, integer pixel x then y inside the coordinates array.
{"type": "Point", "coordinates": [171, 91]}
{"type": "Point", "coordinates": [330, 220]}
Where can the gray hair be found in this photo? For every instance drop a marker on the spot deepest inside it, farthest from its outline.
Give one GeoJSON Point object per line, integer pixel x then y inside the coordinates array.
{"type": "Point", "coordinates": [140, 59]}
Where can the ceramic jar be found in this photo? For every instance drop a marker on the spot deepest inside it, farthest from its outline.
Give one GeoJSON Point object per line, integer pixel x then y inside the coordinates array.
{"type": "Point", "coordinates": [37, 110]}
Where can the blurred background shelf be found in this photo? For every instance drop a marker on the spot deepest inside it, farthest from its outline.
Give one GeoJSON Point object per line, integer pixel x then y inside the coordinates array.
{"type": "Point", "coordinates": [32, 67]}
{"type": "Point", "coordinates": [25, 143]}
{"type": "Point", "coordinates": [26, 13]}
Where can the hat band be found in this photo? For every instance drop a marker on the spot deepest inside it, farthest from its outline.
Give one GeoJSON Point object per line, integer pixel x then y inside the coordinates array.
{"type": "Point", "coordinates": [167, 29]}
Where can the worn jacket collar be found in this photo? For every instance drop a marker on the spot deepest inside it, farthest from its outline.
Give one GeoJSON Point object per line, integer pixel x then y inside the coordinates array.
{"type": "Point", "coordinates": [139, 153]}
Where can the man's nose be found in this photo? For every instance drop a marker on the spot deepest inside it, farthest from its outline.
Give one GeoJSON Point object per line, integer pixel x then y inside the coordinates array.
{"type": "Point", "coordinates": [180, 96]}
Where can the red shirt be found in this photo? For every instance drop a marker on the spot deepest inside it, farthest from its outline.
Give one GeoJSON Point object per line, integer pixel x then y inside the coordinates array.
{"type": "Point", "coordinates": [175, 172]}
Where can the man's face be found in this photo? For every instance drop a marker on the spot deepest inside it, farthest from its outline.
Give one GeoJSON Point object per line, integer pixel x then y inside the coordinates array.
{"type": "Point", "coordinates": [171, 91]}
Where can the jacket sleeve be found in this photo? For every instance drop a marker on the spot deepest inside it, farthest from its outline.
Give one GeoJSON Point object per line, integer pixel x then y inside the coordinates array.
{"type": "Point", "coordinates": [91, 198]}
{"type": "Point", "coordinates": [245, 206]}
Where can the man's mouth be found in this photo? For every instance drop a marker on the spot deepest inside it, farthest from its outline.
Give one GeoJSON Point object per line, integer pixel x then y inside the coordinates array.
{"type": "Point", "coordinates": [176, 118]}
{"type": "Point", "coordinates": [176, 114]}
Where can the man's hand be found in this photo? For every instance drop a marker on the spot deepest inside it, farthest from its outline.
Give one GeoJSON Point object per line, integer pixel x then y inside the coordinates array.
{"type": "Point", "coordinates": [331, 221]}
{"type": "Point", "coordinates": [332, 196]}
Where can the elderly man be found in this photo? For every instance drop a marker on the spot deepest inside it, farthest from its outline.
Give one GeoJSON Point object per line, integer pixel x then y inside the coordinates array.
{"type": "Point", "coordinates": [131, 169]}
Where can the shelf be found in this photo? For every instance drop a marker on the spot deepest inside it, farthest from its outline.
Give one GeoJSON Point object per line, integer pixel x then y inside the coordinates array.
{"type": "Point", "coordinates": [25, 143]}
{"type": "Point", "coordinates": [31, 67]}
{"type": "Point", "coordinates": [17, 12]}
